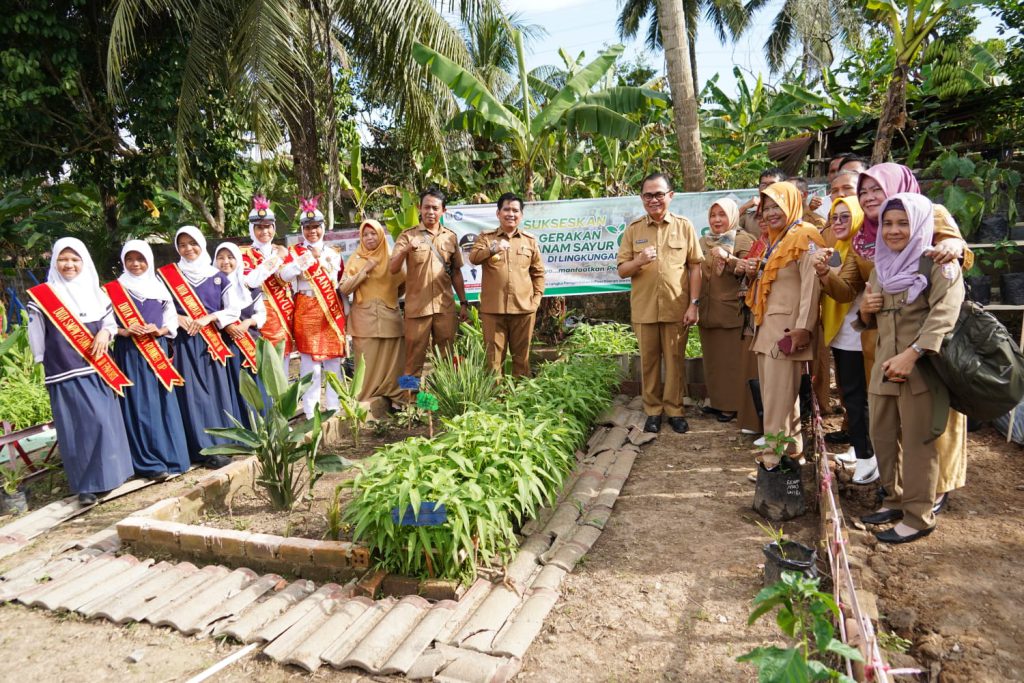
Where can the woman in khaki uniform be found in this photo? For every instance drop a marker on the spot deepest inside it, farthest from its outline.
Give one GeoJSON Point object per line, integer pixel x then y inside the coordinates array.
{"type": "Point", "coordinates": [784, 303]}
{"type": "Point", "coordinates": [721, 318]}
{"type": "Point", "coordinates": [912, 312]}
{"type": "Point", "coordinates": [873, 186]}
{"type": "Point", "coordinates": [375, 321]}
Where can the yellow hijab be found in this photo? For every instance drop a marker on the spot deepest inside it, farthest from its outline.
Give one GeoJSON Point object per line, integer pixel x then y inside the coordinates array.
{"type": "Point", "coordinates": [833, 312]}
{"type": "Point", "coordinates": [784, 245]}
{"type": "Point", "coordinates": [380, 283]}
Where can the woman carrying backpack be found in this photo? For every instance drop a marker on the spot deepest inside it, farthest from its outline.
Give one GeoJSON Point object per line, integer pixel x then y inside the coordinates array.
{"type": "Point", "coordinates": [912, 312]}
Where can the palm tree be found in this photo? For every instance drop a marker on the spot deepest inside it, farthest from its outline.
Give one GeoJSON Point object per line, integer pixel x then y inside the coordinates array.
{"type": "Point", "coordinates": [684, 97]}
{"type": "Point", "coordinates": [814, 25]}
{"type": "Point", "coordinates": [729, 18]}
{"type": "Point", "coordinates": [492, 50]}
{"type": "Point", "coordinates": [281, 59]}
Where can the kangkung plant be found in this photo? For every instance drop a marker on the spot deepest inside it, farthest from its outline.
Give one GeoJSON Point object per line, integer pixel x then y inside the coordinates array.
{"type": "Point", "coordinates": [805, 615]}
{"type": "Point", "coordinates": [288, 460]}
{"type": "Point", "coordinates": [24, 401]}
{"type": "Point", "coordinates": [606, 338]}
{"type": "Point", "coordinates": [355, 413]}
{"type": "Point", "coordinates": [492, 465]}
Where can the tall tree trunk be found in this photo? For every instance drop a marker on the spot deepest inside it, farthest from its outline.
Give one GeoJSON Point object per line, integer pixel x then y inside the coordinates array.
{"type": "Point", "coordinates": [676, 42]}
{"type": "Point", "coordinates": [305, 148]}
{"type": "Point", "coordinates": [894, 114]}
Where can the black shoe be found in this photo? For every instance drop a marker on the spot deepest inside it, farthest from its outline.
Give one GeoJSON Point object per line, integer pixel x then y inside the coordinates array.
{"type": "Point", "coordinates": [882, 517]}
{"type": "Point", "coordinates": [708, 410]}
{"type": "Point", "coordinates": [679, 425]}
{"type": "Point", "coordinates": [941, 505]}
{"type": "Point", "coordinates": [653, 424]}
{"type": "Point", "coordinates": [159, 476]}
{"type": "Point", "coordinates": [214, 462]}
{"type": "Point", "coordinates": [86, 498]}
{"type": "Point", "coordinates": [837, 437]}
{"type": "Point", "coordinates": [727, 417]}
{"type": "Point", "coordinates": [890, 535]}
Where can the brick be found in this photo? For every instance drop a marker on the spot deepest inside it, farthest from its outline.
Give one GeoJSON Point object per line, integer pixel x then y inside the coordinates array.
{"type": "Point", "coordinates": [359, 557]}
{"type": "Point", "coordinates": [370, 584]}
{"type": "Point", "coordinates": [161, 534]}
{"type": "Point", "coordinates": [228, 542]}
{"type": "Point", "coordinates": [262, 546]}
{"type": "Point", "coordinates": [130, 529]}
{"type": "Point", "coordinates": [214, 487]}
{"type": "Point", "coordinates": [398, 586]}
{"type": "Point", "coordinates": [191, 505]}
{"type": "Point", "coordinates": [331, 554]}
{"type": "Point", "coordinates": [298, 551]}
{"type": "Point", "coordinates": [440, 589]}
{"type": "Point", "coordinates": [194, 539]}
{"type": "Point", "coordinates": [165, 509]}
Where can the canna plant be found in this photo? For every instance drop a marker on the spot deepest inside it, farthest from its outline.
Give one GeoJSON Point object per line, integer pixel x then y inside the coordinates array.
{"type": "Point", "coordinates": [288, 460]}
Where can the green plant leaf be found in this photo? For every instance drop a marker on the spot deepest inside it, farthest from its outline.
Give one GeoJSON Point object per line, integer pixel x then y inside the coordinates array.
{"type": "Point", "coordinates": [250, 390]}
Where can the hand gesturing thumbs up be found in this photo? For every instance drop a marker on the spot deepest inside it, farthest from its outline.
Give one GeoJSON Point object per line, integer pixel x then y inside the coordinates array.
{"type": "Point", "coordinates": [871, 302]}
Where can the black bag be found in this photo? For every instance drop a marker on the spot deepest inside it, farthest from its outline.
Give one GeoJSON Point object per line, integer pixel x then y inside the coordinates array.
{"type": "Point", "coordinates": [779, 493]}
{"type": "Point", "coordinates": [981, 365]}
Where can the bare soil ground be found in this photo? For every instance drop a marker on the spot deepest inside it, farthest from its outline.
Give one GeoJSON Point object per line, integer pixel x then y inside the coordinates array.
{"type": "Point", "coordinates": [665, 592]}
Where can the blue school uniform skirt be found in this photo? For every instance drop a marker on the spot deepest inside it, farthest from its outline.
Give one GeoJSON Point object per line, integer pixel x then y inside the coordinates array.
{"type": "Point", "coordinates": [207, 395]}
{"type": "Point", "coordinates": [90, 434]}
{"type": "Point", "coordinates": [152, 417]}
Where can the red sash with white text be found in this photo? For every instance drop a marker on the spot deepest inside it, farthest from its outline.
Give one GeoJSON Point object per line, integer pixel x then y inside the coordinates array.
{"type": "Point", "coordinates": [189, 301]}
{"type": "Point", "coordinates": [79, 337]}
{"type": "Point", "coordinates": [129, 315]}
{"type": "Point", "coordinates": [323, 291]}
{"type": "Point", "coordinates": [275, 291]}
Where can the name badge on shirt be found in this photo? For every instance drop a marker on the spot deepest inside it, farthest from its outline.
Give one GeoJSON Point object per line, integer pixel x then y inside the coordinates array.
{"type": "Point", "coordinates": [644, 241]}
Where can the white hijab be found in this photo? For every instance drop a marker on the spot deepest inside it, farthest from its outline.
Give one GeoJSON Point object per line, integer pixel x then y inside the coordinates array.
{"type": "Point", "coordinates": [236, 295]}
{"type": "Point", "coordinates": [265, 248]}
{"type": "Point", "coordinates": [202, 268]}
{"type": "Point", "coordinates": [82, 295]}
{"type": "Point", "coordinates": [315, 245]}
{"type": "Point", "coordinates": [147, 285]}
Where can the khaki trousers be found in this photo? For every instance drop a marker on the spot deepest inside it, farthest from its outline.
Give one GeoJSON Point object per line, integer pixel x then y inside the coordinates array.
{"type": "Point", "coordinates": [821, 372]}
{"type": "Point", "coordinates": [908, 466]}
{"type": "Point", "coordinates": [418, 334]}
{"type": "Point", "coordinates": [511, 332]}
{"type": "Point", "coordinates": [780, 394]}
{"type": "Point", "coordinates": [662, 342]}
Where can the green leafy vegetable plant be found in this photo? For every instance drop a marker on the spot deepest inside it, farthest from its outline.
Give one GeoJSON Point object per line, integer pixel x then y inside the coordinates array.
{"type": "Point", "coordinates": [805, 615]}
{"type": "Point", "coordinates": [24, 401]}
{"type": "Point", "coordinates": [605, 338]}
{"type": "Point", "coordinates": [354, 411]}
{"type": "Point", "coordinates": [461, 380]}
{"type": "Point", "coordinates": [287, 456]}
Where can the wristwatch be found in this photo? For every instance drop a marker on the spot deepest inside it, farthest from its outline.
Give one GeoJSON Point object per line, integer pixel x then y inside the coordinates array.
{"type": "Point", "coordinates": [917, 348]}
{"type": "Point", "coordinates": [694, 302]}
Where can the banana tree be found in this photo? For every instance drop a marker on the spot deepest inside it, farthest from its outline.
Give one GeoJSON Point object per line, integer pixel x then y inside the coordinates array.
{"type": "Point", "coordinates": [911, 22]}
{"type": "Point", "coordinates": [529, 128]}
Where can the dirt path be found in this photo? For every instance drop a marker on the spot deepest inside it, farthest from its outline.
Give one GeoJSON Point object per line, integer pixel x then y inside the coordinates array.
{"type": "Point", "coordinates": [665, 592]}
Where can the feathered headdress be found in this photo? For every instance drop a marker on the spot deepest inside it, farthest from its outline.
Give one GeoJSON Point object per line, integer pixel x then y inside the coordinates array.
{"type": "Point", "coordinates": [261, 210]}
{"type": "Point", "coordinates": [308, 213]}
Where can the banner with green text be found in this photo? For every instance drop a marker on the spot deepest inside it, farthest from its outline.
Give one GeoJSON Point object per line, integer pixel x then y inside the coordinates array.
{"type": "Point", "coordinates": [579, 238]}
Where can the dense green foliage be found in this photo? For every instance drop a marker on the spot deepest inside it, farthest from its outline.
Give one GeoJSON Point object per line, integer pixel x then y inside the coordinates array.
{"type": "Point", "coordinates": [492, 467]}
{"type": "Point", "coordinates": [607, 339]}
{"type": "Point", "coordinates": [462, 380]}
{"type": "Point", "coordinates": [24, 401]}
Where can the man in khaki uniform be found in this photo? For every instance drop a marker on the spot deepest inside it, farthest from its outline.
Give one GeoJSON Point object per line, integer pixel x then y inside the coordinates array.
{"type": "Point", "coordinates": [748, 209]}
{"type": "Point", "coordinates": [433, 267]}
{"type": "Point", "coordinates": [660, 253]}
{"type": "Point", "coordinates": [512, 287]}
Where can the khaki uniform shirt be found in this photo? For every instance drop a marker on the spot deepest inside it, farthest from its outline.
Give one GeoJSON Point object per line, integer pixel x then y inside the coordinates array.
{"type": "Point", "coordinates": [792, 305]}
{"type": "Point", "coordinates": [660, 290]}
{"type": "Point", "coordinates": [925, 321]}
{"type": "Point", "coordinates": [720, 294]}
{"type": "Point", "coordinates": [428, 287]}
{"type": "Point", "coordinates": [512, 280]}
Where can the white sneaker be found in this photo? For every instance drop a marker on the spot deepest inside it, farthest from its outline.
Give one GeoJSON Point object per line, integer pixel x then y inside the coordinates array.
{"type": "Point", "coordinates": [760, 443]}
{"type": "Point", "coordinates": [748, 432]}
{"type": "Point", "coordinates": [866, 471]}
{"type": "Point", "coordinates": [848, 457]}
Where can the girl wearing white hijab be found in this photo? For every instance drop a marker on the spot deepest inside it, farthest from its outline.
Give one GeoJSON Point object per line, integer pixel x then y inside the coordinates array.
{"type": "Point", "coordinates": [252, 314]}
{"type": "Point", "coordinates": [208, 395]}
{"type": "Point", "coordinates": [90, 429]}
{"type": "Point", "coordinates": [152, 417]}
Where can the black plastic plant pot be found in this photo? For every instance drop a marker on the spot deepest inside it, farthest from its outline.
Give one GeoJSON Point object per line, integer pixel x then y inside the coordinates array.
{"type": "Point", "coordinates": [798, 558]}
{"type": "Point", "coordinates": [979, 289]}
{"type": "Point", "coordinates": [1011, 289]}
{"type": "Point", "coordinates": [992, 229]}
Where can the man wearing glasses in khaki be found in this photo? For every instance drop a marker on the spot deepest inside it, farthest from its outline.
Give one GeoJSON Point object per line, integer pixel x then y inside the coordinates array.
{"type": "Point", "coordinates": [660, 254]}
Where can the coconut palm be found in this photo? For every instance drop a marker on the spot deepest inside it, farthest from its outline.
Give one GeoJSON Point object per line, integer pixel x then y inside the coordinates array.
{"type": "Point", "coordinates": [281, 58]}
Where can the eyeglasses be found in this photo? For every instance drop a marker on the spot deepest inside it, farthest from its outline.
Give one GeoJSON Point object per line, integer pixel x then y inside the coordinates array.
{"type": "Point", "coordinates": [842, 218]}
{"type": "Point", "coordinates": [653, 196]}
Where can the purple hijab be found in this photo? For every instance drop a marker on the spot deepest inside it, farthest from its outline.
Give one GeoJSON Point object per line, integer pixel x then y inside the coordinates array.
{"type": "Point", "coordinates": [892, 178]}
{"type": "Point", "coordinates": [899, 271]}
